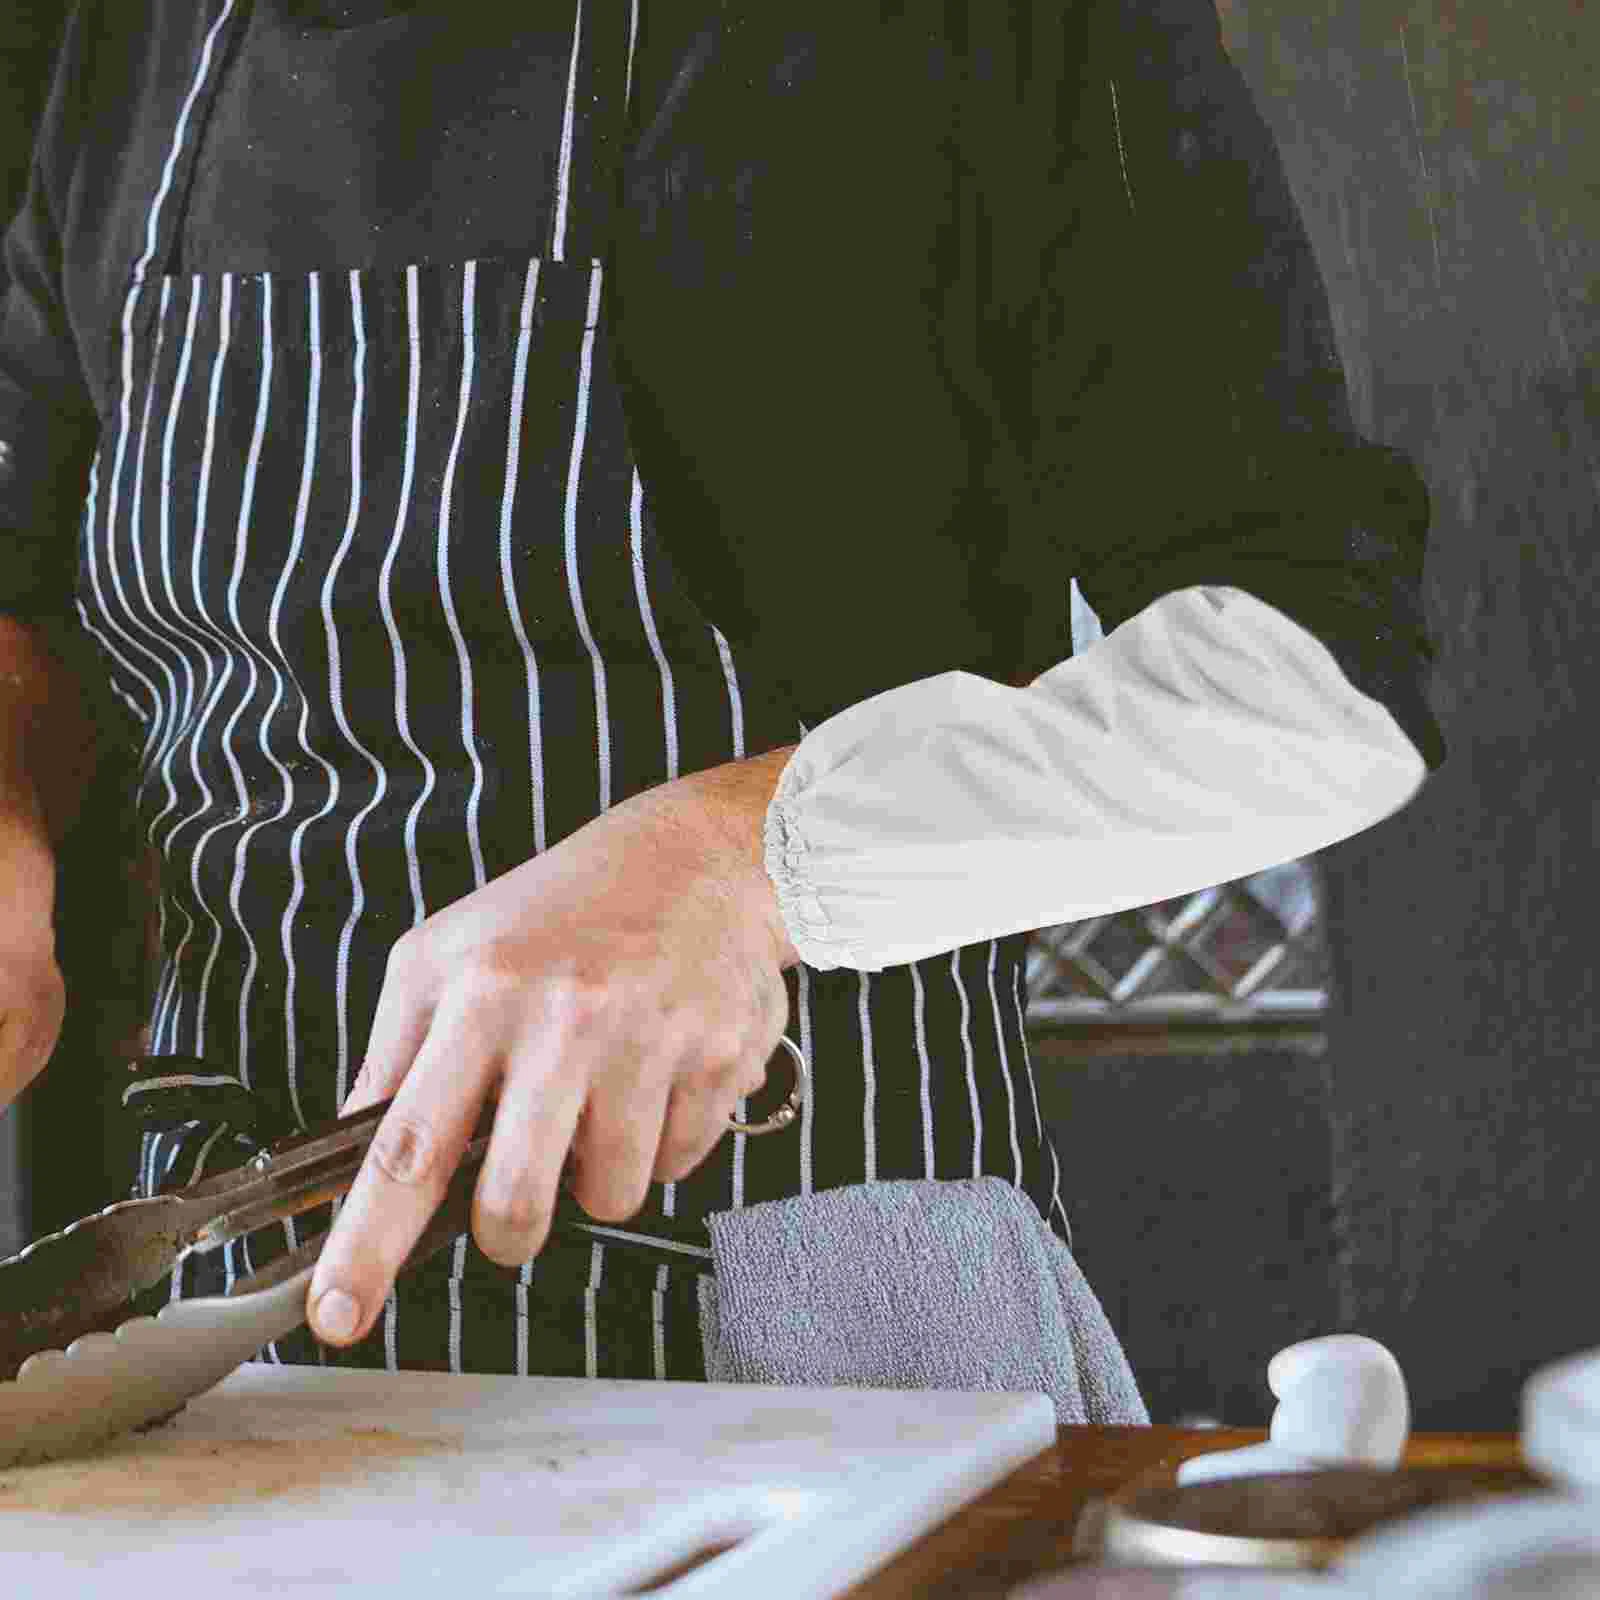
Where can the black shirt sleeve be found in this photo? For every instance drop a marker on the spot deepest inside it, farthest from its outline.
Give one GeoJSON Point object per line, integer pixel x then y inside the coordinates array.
{"type": "Point", "coordinates": [48, 425]}
{"type": "Point", "coordinates": [1154, 342]}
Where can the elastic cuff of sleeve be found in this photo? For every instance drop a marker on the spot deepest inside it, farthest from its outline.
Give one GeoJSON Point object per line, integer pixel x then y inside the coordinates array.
{"type": "Point", "coordinates": [808, 925]}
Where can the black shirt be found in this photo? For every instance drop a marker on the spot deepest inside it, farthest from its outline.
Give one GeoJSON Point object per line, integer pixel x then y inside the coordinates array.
{"type": "Point", "coordinates": [921, 311]}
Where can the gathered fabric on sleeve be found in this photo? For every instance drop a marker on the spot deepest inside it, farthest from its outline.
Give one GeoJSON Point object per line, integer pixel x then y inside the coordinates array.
{"type": "Point", "coordinates": [1207, 738]}
{"type": "Point", "coordinates": [1135, 315]}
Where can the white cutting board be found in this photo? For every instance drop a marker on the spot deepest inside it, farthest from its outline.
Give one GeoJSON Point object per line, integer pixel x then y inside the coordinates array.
{"type": "Point", "coordinates": [307, 1480]}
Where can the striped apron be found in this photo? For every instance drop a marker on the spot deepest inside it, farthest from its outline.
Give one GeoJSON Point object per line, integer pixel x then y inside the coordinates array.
{"type": "Point", "coordinates": [366, 554]}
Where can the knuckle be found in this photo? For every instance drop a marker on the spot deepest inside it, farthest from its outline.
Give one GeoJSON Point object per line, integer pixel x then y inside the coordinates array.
{"type": "Point", "coordinates": [677, 1033]}
{"type": "Point", "coordinates": [678, 1158]}
{"type": "Point", "coordinates": [777, 1010]}
{"type": "Point", "coordinates": [613, 1200]}
{"type": "Point", "coordinates": [727, 1048]}
{"type": "Point", "coordinates": [512, 1207]}
{"type": "Point", "coordinates": [485, 984]}
{"type": "Point", "coordinates": [406, 954]}
{"type": "Point", "coordinates": [406, 1150]}
{"type": "Point", "coordinates": [511, 1222]}
{"type": "Point", "coordinates": [580, 1002]}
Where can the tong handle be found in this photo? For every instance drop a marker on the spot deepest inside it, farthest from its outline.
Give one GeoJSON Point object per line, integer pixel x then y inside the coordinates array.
{"type": "Point", "coordinates": [453, 1217]}
{"type": "Point", "coordinates": [663, 1241]}
{"type": "Point", "coordinates": [295, 1174]}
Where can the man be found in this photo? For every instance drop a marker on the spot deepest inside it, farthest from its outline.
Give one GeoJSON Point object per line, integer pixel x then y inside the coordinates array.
{"type": "Point", "coordinates": [561, 496]}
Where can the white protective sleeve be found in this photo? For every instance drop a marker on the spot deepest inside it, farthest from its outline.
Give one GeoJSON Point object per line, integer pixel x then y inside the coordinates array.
{"type": "Point", "coordinates": [1209, 737]}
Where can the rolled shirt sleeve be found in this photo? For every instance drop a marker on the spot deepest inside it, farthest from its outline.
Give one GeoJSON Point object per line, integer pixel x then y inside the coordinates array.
{"type": "Point", "coordinates": [1205, 739]}
{"type": "Point", "coordinates": [1152, 341]}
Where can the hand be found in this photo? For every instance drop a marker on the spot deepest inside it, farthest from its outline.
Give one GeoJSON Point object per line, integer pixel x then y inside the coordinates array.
{"type": "Point", "coordinates": [32, 995]}
{"type": "Point", "coordinates": [618, 994]}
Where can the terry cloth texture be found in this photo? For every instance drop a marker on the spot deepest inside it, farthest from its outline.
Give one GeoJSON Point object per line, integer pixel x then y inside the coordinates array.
{"type": "Point", "coordinates": [913, 1284]}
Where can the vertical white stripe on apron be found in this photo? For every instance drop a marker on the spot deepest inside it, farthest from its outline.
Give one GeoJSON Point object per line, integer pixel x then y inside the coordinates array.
{"type": "Point", "coordinates": [240, 553]}
{"type": "Point", "coordinates": [296, 538]}
{"type": "Point", "coordinates": [919, 1021]}
{"type": "Point", "coordinates": [91, 514]}
{"type": "Point", "coordinates": [633, 39]}
{"type": "Point", "coordinates": [458, 1267]}
{"type": "Point", "coordinates": [519, 385]}
{"type": "Point", "coordinates": [658, 1318]}
{"type": "Point", "coordinates": [574, 473]}
{"type": "Point", "coordinates": [736, 716]}
{"type": "Point", "coordinates": [291, 1240]}
{"type": "Point", "coordinates": [352, 517]}
{"type": "Point", "coordinates": [167, 719]}
{"type": "Point", "coordinates": [180, 715]}
{"type": "Point", "coordinates": [113, 499]}
{"type": "Point", "coordinates": [1005, 1068]}
{"type": "Point", "coordinates": [522, 1318]}
{"type": "Point", "coordinates": [214, 687]}
{"type": "Point", "coordinates": [262, 741]}
{"type": "Point", "coordinates": [669, 713]}
{"type": "Point", "coordinates": [808, 1105]}
{"type": "Point", "coordinates": [194, 1177]}
{"type": "Point", "coordinates": [1122, 155]}
{"type": "Point", "coordinates": [385, 578]}
{"type": "Point", "coordinates": [735, 702]}
{"type": "Point", "coordinates": [807, 1109]}
{"type": "Point", "coordinates": [591, 1334]}
{"type": "Point", "coordinates": [140, 268]}
{"type": "Point", "coordinates": [869, 1082]}
{"type": "Point", "coordinates": [669, 719]}
{"type": "Point", "coordinates": [165, 186]}
{"type": "Point", "coordinates": [1027, 1058]}
{"type": "Point", "coordinates": [469, 742]}
{"type": "Point", "coordinates": [972, 1080]}
{"type": "Point", "coordinates": [391, 1346]}
{"type": "Point", "coordinates": [558, 245]}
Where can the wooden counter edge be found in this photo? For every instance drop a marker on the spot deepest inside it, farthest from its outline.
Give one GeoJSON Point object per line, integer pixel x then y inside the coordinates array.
{"type": "Point", "coordinates": [1025, 1524]}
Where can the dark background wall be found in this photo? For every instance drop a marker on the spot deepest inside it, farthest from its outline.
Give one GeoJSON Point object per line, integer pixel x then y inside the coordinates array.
{"type": "Point", "coordinates": [1430, 1179]}
{"type": "Point", "coordinates": [1440, 1158]}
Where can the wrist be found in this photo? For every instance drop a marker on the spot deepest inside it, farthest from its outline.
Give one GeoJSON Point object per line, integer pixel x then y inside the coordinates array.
{"type": "Point", "coordinates": [731, 802]}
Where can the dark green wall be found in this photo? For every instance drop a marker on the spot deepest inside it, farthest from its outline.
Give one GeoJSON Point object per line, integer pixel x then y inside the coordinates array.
{"type": "Point", "coordinates": [1447, 159]}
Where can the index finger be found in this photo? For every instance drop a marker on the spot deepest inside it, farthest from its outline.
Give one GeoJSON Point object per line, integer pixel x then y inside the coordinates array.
{"type": "Point", "coordinates": [408, 1166]}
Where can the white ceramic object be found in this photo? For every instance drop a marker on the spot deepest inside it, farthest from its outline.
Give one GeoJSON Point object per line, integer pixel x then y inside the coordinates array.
{"type": "Point", "coordinates": [1522, 1547]}
{"type": "Point", "coordinates": [1561, 1422]}
{"type": "Point", "coordinates": [1341, 1400]}
{"type": "Point", "coordinates": [1256, 1460]}
{"type": "Point", "coordinates": [105, 1383]}
{"type": "Point", "coordinates": [540, 1486]}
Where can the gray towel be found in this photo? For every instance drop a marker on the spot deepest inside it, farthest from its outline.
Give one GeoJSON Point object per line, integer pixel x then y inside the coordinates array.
{"type": "Point", "coordinates": [917, 1284]}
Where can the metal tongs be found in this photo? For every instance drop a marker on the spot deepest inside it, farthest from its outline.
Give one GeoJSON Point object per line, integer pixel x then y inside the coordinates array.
{"type": "Point", "coordinates": [77, 1361]}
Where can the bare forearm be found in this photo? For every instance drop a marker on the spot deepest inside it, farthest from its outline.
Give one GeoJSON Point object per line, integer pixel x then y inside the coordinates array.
{"type": "Point", "coordinates": [47, 740]}
{"type": "Point", "coordinates": [733, 800]}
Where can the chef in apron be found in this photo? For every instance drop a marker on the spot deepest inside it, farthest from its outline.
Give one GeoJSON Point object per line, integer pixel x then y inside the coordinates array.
{"type": "Point", "coordinates": [368, 556]}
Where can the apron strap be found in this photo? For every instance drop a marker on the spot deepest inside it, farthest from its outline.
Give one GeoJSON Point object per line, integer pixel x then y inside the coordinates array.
{"type": "Point", "coordinates": [588, 171]}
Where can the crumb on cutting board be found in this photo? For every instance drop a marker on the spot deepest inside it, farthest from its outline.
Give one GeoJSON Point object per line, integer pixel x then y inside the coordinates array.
{"type": "Point", "coordinates": [170, 1475]}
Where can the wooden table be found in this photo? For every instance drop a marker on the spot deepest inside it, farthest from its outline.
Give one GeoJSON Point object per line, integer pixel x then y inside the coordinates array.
{"type": "Point", "coordinates": [1025, 1524]}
